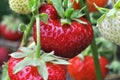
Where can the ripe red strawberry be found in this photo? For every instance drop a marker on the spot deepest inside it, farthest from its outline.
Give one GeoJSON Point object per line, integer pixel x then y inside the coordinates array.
{"type": "Point", "coordinates": [91, 6]}
{"type": "Point", "coordinates": [55, 71]}
{"type": "Point", "coordinates": [3, 55]}
{"type": "Point", "coordinates": [50, 10]}
{"type": "Point", "coordinates": [66, 40]}
{"type": "Point", "coordinates": [9, 34]}
{"type": "Point", "coordinates": [83, 69]}
{"type": "Point", "coordinates": [8, 28]}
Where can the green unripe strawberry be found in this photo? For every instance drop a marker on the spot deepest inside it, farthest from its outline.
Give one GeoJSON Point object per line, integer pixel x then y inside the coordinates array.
{"type": "Point", "coordinates": [109, 24]}
{"type": "Point", "coordinates": [20, 6]}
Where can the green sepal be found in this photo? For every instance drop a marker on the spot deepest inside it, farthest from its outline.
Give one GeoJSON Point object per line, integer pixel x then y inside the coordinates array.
{"type": "Point", "coordinates": [65, 21]}
{"type": "Point", "coordinates": [58, 6]}
{"type": "Point", "coordinates": [65, 3]}
{"type": "Point", "coordinates": [26, 50]}
{"type": "Point", "coordinates": [80, 21]}
{"type": "Point", "coordinates": [43, 70]}
{"type": "Point", "coordinates": [44, 17]}
{"type": "Point", "coordinates": [101, 9]}
{"type": "Point", "coordinates": [70, 4]}
{"type": "Point", "coordinates": [77, 14]}
{"type": "Point", "coordinates": [81, 56]}
{"type": "Point", "coordinates": [18, 55]}
{"type": "Point", "coordinates": [22, 64]}
{"type": "Point", "coordinates": [112, 12]}
{"type": "Point", "coordinates": [68, 12]}
{"type": "Point", "coordinates": [99, 21]}
{"type": "Point", "coordinates": [22, 27]}
{"type": "Point", "coordinates": [30, 5]}
{"type": "Point", "coordinates": [60, 61]}
{"type": "Point", "coordinates": [117, 5]}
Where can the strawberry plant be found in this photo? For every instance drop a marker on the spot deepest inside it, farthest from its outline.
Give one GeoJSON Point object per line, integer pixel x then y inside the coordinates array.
{"type": "Point", "coordinates": [61, 30]}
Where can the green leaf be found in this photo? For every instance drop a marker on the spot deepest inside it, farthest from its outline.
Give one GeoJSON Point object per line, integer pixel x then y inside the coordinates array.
{"type": "Point", "coordinates": [44, 17]}
{"type": "Point", "coordinates": [68, 12]}
{"type": "Point", "coordinates": [60, 61]}
{"type": "Point", "coordinates": [22, 27]}
{"type": "Point", "coordinates": [18, 55]}
{"type": "Point", "coordinates": [65, 21]}
{"type": "Point", "coordinates": [43, 70]}
{"type": "Point", "coordinates": [58, 6]}
{"type": "Point", "coordinates": [22, 64]}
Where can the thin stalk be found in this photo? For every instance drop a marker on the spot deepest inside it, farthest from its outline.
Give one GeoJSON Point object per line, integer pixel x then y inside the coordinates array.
{"type": "Point", "coordinates": [38, 36]}
{"type": "Point", "coordinates": [93, 46]}
{"type": "Point", "coordinates": [27, 32]}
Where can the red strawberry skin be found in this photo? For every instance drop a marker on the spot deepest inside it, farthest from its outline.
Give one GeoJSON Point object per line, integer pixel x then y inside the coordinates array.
{"type": "Point", "coordinates": [56, 72]}
{"type": "Point", "coordinates": [9, 34]}
{"type": "Point", "coordinates": [65, 40]}
{"type": "Point", "coordinates": [3, 55]}
{"type": "Point", "coordinates": [84, 69]}
{"type": "Point", "coordinates": [50, 10]}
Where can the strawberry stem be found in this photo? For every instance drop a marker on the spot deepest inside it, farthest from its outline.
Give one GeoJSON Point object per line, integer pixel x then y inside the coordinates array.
{"type": "Point", "coordinates": [93, 46]}
{"type": "Point", "coordinates": [27, 32]}
{"type": "Point", "coordinates": [36, 14]}
{"type": "Point", "coordinates": [38, 36]}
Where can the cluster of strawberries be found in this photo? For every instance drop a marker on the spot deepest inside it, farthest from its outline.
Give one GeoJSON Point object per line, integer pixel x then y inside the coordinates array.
{"type": "Point", "coordinates": [66, 39]}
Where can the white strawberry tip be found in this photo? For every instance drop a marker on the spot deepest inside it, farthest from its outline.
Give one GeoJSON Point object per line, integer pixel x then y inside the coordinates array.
{"type": "Point", "coordinates": [29, 58]}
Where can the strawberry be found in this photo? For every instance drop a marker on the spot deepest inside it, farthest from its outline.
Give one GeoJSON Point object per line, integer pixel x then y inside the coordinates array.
{"type": "Point", "coordinates": [23, 64]}
{"type": "Point", "coordinates": [8, 28]}
{"type": "Point", "coordinates": [20, 6]}
{"type": "Point", "coordinates": [50, 10]}
{"type": "Point", "coordinates": [83, 68]}
{"type": "Point", "coordinates": [91, 6]}
{"type": "Point", "coordinates": [55, 72]}
{"type": "Point", "coordinates": [67, 40]}
{"type": "Point", "coordinates": [3, 55]}
{"type": "Point", "coordinates": [108, 24]}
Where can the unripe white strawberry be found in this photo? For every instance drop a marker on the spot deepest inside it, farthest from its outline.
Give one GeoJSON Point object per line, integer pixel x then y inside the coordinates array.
{"type": "Point", "coordinates": [20, 6]}
{"type": "Point", "coordinates": [109, 27]}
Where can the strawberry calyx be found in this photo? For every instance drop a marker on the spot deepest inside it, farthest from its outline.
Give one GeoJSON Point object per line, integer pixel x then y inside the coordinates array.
{"type": "Point", "coordinates": [67, 12]}
{"type": "Point", "coordinates": [108, 12]}
{"type": "Point", "coordinates": [29, 59]}
{"type": "Point", "coordinates": [11, 23]}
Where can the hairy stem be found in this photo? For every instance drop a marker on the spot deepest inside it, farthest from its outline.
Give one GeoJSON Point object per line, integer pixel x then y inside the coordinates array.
{"type": "Point", "coordinates": [93, 46]}
{"type": "Point", "coordinates": [27, 32]}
